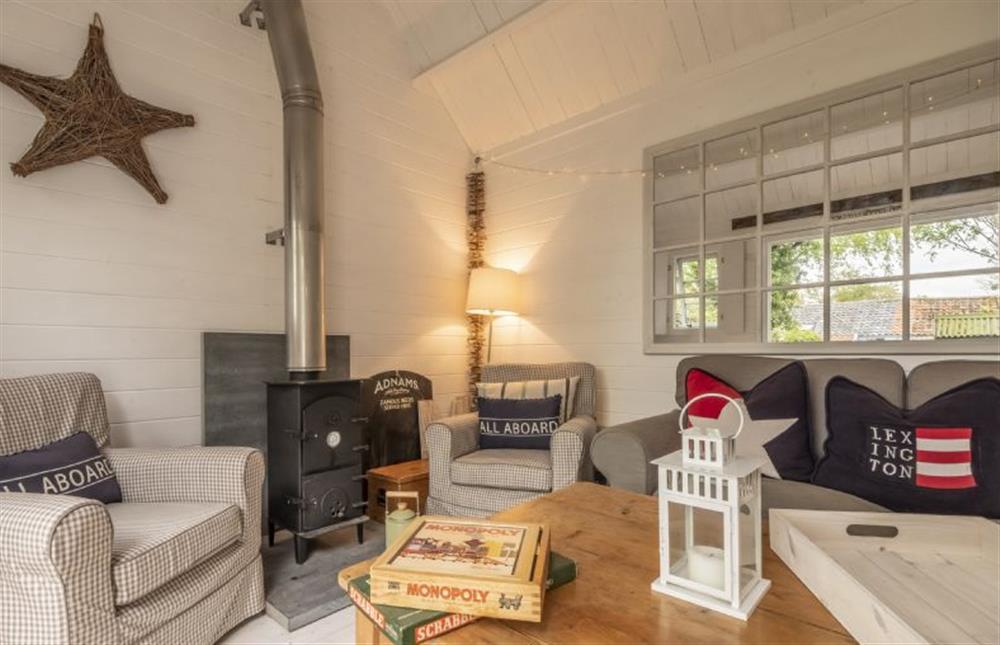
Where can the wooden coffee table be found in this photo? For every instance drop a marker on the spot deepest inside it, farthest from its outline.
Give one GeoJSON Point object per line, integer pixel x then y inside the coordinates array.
{"type": "Point", "coordinates": [612, 535]}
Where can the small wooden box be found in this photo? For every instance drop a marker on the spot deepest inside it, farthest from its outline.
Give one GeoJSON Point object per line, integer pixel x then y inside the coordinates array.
{"type": "Point", "coordinates": [409, 476]}
{"type": "Point", "coordinates": [466, 566]}
{"type": "Point", "coordinates": [894, 577]}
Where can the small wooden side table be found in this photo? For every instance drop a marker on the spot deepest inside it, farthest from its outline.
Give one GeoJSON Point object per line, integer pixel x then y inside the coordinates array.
{"type": "Point", "coordinates": [405, 476]}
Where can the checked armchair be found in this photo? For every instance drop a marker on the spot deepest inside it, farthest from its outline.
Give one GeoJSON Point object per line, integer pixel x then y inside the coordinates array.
{"type": "Point", "coordinates": [178, 561]}
{"type": "Point", "coordinates": [465, 480]}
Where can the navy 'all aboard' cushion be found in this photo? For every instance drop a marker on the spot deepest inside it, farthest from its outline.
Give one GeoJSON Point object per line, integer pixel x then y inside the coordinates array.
{"type": "Point", "coordinates": [778, 426]}
{"type": "Point", "coordinates": [70, 466]}
{"type": "Point", "coordinates": [942, 457]}
{"type": "Point", "coordinates": [518, 423]}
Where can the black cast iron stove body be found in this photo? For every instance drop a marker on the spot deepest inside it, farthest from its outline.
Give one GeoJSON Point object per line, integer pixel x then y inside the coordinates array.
{"type": "Point", "coordinates": [317, 455]}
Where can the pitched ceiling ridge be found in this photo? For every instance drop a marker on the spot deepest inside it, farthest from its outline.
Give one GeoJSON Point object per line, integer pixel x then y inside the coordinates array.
{"type": "Point", "coordinates": [495, 120]}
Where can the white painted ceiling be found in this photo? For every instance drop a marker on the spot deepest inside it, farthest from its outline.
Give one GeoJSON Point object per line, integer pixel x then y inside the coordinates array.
{"type": "Point", "coordinates": [506, 69]}
{"type": "Point", "coordinates": [439, 28]}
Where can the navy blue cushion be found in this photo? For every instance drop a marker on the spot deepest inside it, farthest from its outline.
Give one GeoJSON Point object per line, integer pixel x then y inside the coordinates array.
{"type": "Point", "coordinates": [943, 457]}
{"type": "Point", "coordinates": [518, 423]}
{"type": "Point", "coordinates": [782, 395]}
{"type": "Point", "coordinates": [70, 466]}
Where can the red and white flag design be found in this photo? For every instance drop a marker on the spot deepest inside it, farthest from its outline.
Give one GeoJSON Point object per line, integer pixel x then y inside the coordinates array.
{"type": "Point", "coordinates": [944, 458]}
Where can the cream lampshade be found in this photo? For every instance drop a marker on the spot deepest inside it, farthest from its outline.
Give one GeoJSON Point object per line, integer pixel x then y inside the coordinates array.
{"type": "Point", "coordinates": [492, 292]}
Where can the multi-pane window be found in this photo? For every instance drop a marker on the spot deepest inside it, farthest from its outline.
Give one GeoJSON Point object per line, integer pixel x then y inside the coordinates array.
{"type": "Point", "coordinates": [873, 217]}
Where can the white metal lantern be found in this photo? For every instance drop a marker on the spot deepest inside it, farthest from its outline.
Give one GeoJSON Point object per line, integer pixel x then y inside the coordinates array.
{"type": "Point", "coordinates": [710, 531]}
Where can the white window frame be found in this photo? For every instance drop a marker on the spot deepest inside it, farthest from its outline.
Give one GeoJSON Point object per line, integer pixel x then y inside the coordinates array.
{"type": "Point", "coordinates": [902, 79]}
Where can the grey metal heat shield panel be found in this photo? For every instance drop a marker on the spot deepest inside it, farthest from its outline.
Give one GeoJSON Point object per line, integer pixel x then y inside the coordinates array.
{"type": "Point", "coordinates": [235, 367]}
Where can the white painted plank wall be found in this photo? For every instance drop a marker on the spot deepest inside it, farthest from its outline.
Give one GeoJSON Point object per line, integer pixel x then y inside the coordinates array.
{"type": "Point", "coordinates": [95, 276]}
{"type": "Point", "coordinates": [579, 243]}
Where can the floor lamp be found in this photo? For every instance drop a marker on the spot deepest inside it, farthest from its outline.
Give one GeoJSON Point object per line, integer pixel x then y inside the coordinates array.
{"type": "Point", "coordinates": [492, 293]}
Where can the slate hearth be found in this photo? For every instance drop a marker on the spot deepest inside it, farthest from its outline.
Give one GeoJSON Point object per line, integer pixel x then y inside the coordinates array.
{"type": "Point", "coordinates": [300, 594]}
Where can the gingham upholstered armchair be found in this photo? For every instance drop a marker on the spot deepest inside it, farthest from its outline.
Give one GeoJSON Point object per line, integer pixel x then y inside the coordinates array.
{"type": "Point", "coordinates": [476, 483]}
{"type": "Point", "coordinates": [178, 561]}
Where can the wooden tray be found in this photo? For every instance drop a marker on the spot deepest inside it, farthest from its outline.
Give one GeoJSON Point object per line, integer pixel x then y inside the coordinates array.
{"type": "Point", "coordinates": [465, 566]}
{"type": "Point", "coordinates": [897, 578]}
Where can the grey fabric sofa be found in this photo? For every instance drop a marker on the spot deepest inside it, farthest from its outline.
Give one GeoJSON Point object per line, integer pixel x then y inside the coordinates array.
{"type": "Point", "coordinates": [622, 453]}
{"type": "Point", "coordinates": [178, 561]}
{"type": "Point", "coordinates": [477, 483]}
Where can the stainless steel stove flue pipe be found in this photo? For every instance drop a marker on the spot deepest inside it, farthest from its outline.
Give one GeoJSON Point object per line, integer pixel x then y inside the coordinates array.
{"type": "Point", "coordinates": [302, 102]}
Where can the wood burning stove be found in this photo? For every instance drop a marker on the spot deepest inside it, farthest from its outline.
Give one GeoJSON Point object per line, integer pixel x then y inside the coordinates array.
{"type": "Point", "coordinates": [317, 456]}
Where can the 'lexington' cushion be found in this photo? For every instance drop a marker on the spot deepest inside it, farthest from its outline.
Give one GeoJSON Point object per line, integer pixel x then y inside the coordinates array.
{"type": "Point", "coordinates": [564, 387]}
{"type": "Point", "coordinates": [518, 423]}
{"type": "Point", "coordinates": [70, 466]}
{"type": "Point", "coordinates": [942, 457]}
{"type": "Point", "coordinates": [778, 427]}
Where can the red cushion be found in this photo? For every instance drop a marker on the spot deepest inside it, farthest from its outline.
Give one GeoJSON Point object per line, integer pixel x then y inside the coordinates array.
{"type": "Point", "coordinates": [698, 383]}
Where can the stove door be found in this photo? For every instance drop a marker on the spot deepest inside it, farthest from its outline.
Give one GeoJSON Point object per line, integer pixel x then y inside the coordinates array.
{"type": "Point", "coordinates": [332, 438]}
{"type": "Point", "coordinates": [332, 497]}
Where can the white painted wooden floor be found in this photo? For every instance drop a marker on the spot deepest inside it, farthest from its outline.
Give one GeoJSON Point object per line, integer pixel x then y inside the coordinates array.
{"type": "Point", "coordinates": [262, 630]}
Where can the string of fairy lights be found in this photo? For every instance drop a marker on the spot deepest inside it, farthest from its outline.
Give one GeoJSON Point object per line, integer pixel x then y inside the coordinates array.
{"type": "Point", "coordinates": [583, 175]}
{"type": "Point", "coordinates": [883, 115]}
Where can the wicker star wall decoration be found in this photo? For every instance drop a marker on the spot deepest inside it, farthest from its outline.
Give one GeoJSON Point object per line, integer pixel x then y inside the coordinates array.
{"type": "Point", "coordinates": [89, 115]}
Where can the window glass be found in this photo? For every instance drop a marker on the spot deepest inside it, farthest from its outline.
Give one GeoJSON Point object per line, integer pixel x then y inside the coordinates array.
{"type": "Point", "coordinates": [867, 124]}
{"type": "Point", "coordinates": [795, 261]}
{"type": "Point", "coordinates": [795, 315]}
{"type": "Point", "coordinates": [687, 278]}
{"type": "Point", "coordinates": [676, 272]}
{"type": "Point", "coordinates": [794, 201]}
{"type": "Point", "coordinates": [736, 265]}
{"type": "Point", "coordinates": [677, 319]}
{"type": "Point", "coordinates": [677, 174]}
{"type": "Point", "coordinates": [873, 253]}
{"type": "Point", "coordinates": [958, 166]}
{"type": "Point", "coordinates": [962, 307]}
{"type": "Point", "coordinates": [676, 223]}
{"type": "Point", "coordinates": [711, 272]}
{"type": "Point", "coordinates": [794, 143]}
{"type": "Point", "coordinates": [956, 102]}
{"type": "Point", "coordinates": [799, 229]}
{"type": "Point", "coordinates": [732, 317]}
{"type": "Point", "coordinates": [731, 212]}
{"type": "Point", "coordinates": [959, 239]}
{"type": "Point", "coordinates": [731, 160]}
{"type": "Point", "coordinates": [866, 311]}
{"type": "Point", "coordinates": [867, 187]}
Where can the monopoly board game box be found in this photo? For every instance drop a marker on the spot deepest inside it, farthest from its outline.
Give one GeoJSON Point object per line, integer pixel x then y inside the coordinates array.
{"type": "Point", "coordinates": [405, 626]}
{"type": "Point", "coordinates": [474, 567]}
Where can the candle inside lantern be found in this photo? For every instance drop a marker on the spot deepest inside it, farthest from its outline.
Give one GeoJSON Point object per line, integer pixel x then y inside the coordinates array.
{"type": "Point", "coordinates": [707, 565]}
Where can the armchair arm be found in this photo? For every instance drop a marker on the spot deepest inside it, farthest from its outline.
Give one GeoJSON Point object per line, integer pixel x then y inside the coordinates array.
{"type": "Point", "coordinates": [197, 474]}
{"type": "Point", "coordinates": [55, 570]}
{"type": "Point", "coordinates": [623, 452]}
{"type": "Point", "coordinates": [448, 439]}
{"type": "Point", "coordinates": [570, 450]}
